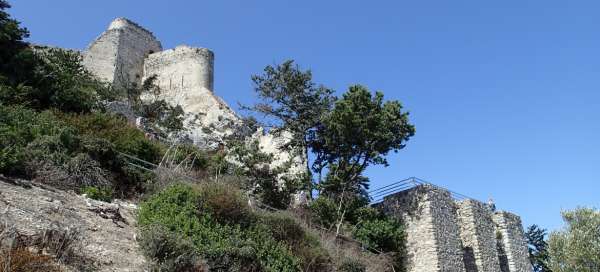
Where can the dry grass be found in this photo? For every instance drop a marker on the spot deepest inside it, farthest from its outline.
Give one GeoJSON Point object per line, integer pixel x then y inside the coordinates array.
{"type": "Point", "coordinates": [23, 260]}
{"type": "Point", "coordinates": [341, 248]}
{"type": "Point", "coordinates": [42, 251]}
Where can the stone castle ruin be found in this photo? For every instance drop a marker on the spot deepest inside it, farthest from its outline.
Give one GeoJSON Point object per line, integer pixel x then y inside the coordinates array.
{"type": "Point", "coordinates": [451, 233]}
{"type": "Point", "coordinates": [444, 234]}
{"type": "Point", "coordinates": [127, 54]}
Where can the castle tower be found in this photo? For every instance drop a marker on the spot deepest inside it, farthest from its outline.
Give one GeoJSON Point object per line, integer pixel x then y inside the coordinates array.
{"type": "Point", "coordinates": [118, 54]}
{"type": "Point", "coordinates": [433, 233]}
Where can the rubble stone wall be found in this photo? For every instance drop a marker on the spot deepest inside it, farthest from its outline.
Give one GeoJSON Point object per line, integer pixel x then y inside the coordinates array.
{"type": "Point", "coordinates": [433, 239]}
{"type": "Point", "coordinates": [512, 245]}
{"type": "Point", "coordinates": [478, 234]}
{"type": "Point", "coordinates": [448, 235]}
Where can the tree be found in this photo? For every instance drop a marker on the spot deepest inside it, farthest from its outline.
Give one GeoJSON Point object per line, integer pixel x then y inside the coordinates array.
{"type": "Point", "coordinates": [294, 103]}
{"type": "Point", "coordinates": [576, 248]}
{"type": "Point", "coordinates": [360, 131]}
{"type": "Point", "coordinates": [12, 48]}
{"type": "Point", "coordinates": [160, 117]}
{"type": "Point", "coordinates": [538, 248]}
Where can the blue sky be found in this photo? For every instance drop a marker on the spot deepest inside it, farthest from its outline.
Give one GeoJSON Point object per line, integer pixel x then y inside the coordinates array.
{"type": "Point", "coordinates": [504, 95]}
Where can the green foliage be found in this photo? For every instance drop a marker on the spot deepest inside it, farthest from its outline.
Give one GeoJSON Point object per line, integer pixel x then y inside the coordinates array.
{"type": "Point", "coordinates": [272, 185]}
{"type": "Point", "coordinates": [160, 118]}
{"type": "Point", "coordinates": [15, 62]}
{"type": "Point", "coordinates": [351, 265]}
{"type": "Point", "coordinates": [386, 235]}
{"type": "Point", "coordinates": [225, 233]}
{"type": "Point", "coordinates": [324, 211]}
{"type": "Point", "coordinates": [538, 248]}
{"type": "Point", "coordinates": [293, 100]}
{"type": "Point", "coordinates": [577, 246]}
{"type": "Point", "coordinates": [295, 104]}
{"type": "Point", "coordinates": [189, 154]}
{"type": "Point", "coordinates": [59, 81]}
{"type": "Point", "coordinates": [226, 204]}
{"type": "Point", "coordinates": [98, 193]}
{"type": "Point", "coordinates": [170, 252]}
{"type": "Point", "coordinates": [360, 131]}
{"type": "Point", "coordinates": [283, 227]}
{"type": "Point", "coordinates": [380, 233]}
{"type": "Point", "coordinates": [125, 137]}
{"type": "Point", "coordinates": [71, 151]}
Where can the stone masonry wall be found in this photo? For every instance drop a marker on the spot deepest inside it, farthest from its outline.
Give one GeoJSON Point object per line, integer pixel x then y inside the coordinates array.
{"type": "Point", "coordinates": [433, 241]}
{"type": "Point", "coordinates": [478, 234]}
{"type": "Point", "coordinates": [512, 246]}
{"type": "Point", "coordinates": [118, 55]}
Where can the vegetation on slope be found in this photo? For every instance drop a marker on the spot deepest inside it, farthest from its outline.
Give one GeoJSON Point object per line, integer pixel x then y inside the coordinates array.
{"type": "Point", "coordinates": [55, 130]}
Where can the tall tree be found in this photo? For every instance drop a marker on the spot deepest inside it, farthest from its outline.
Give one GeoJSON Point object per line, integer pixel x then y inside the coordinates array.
{"type": "Point", "coordinates": [293, 103]}
{"type": "Point", "coordinates": [576, 248]}
{"type": "Point", "coordinates": [15, 62]}
{"type": "Point", "coordinates": [360, 131]}
{"type": "Point", "coordinates": [538, 248]}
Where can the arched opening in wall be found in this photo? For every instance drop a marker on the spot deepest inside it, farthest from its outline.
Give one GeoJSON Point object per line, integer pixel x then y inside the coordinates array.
{"type": "Point", "coordinates": [150, 52]}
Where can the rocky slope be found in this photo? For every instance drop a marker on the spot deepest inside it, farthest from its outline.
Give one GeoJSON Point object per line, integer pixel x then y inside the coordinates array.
{"type": "Point", "coordinates": [85, 234]}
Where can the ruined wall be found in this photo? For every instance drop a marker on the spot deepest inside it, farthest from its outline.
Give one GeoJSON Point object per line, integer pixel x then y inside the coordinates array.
{"type": "Point", "coordinates": [433, 239]}
{"type": "Point", "coordinates": [118, 54]}
{"type": "Point", "coordinates": [512, 246]}
{"type": "Point", "coordinates": [478, 234]}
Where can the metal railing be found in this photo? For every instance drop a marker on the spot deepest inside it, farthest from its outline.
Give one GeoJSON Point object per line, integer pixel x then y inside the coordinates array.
{"type": "Point", "coordinates": [377, 195]}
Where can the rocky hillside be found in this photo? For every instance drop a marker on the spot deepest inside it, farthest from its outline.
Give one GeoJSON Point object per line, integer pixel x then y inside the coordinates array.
{"type": "Point", "coordinates": [84, 234]}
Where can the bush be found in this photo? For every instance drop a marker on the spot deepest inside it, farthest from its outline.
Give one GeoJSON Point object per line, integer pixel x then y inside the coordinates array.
{"type": "Point", "coordinates": [284, 228]}
{"type": "Point", "coordinates": [226, 204]}
{"type": "Point", "coordinates": [98, 193]}
{"type": "Point", "coordinates": [125, 137]}
{"type": "Point", "coordinates": [169, 251]}
{"type": "Point", "coordinates": [227, 243]}
{"type": "Point", "coordinates": [57, 80]}
{"type": "Point", "coordinates": [20, 126]}
{"type": "Point", "coordinates": [384, 235]}
{"type": "Point", "coordinates": [350, 265]}
{"type": "Point", "coordinates": [324, 211]}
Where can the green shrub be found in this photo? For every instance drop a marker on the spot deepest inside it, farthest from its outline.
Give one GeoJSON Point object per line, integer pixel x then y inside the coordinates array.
{"type": "Point", "coordinates": [324, 211]}
{"type": "Point", "coordinates": [191, 155]}
{"type": "Point", "coordinates": [384, 235]}
{"type": "Point", "coordinates": [364, 214]}
{"type": "Point", "coordinates": [169, 251]}
{"type": "Point", "coordinates": [283, 227]}
{"type": "Point", "coordinates": [226, 204]}
{"type": "Point", "coordinates": [227, 243]}
{"type": "Point", "coordinates": [125, 137]}
{"type": "Point", "coordinates": [351, 265]}
{"type": "Point", "coordinates": [98, 193]}
{"type": "Point", "coordinates": [19, 127]}
{"type": "Point", "coordinates": [57, 79]}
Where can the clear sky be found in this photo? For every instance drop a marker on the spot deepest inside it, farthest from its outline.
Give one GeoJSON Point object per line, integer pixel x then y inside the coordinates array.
{"type": "Point", "coordinates": [505, 95]}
